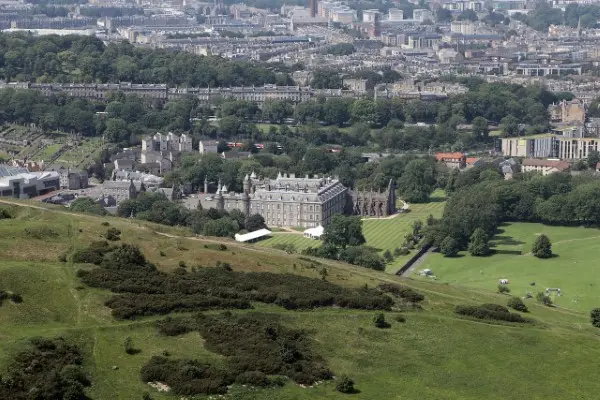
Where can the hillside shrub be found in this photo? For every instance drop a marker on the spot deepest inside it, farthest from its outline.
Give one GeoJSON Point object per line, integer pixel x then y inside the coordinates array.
{"type": "Point", "coordinates": [380, 322]}
{"type": "Point", "coordinates": [15, 298]}
{"type": "Point", "coordinates": [403, 292]}
{"type": "Point", "coordinates": [345, 385]}
{"type": "Point", "coordinates": [490, 312]}
{"type": "Point", "coordinates": [129, 348]}
{"type": "Point", "coordinates": [112, 234]}
{"type": "Point", "coordinates": [93, 254]}
{"type": "Point", "coordinates": [595, 317]}
{"type": "Point", "coordinates": [517, 304]}
{"type": "Point", "coordinates": [47, 369]}
{"type": "Point", "coordinates": [543, 298]}
{"type": "Point", "coordinates": [4, 214]}
{"type": "Point", "coordinates": [503, 289]}
{"type": "Point", "coordinates": [254, 346]}
{"type": "Point", "coordinates": [140, 289]}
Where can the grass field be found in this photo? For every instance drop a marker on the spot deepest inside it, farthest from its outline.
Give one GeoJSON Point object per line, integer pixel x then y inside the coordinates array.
{"type": "Point", "coordinates": [383, 234]}
{"type": "Point", "coordinates": [574, 270]}
{"type": "Point", "coordinates": [434, 355]}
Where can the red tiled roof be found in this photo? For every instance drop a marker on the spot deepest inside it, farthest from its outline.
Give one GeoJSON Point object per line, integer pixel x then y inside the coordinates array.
{"type": "Point", "coordinates": [444, 156]}
{"type": "Point", "coordinates": [559, 165]}
{"type": "Point", "coordinates": [472, 160]}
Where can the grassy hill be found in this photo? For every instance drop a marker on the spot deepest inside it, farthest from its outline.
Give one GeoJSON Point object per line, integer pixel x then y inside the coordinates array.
{"type": "Point", "coordinates": [435, 354]}
{"type": "Point", "coordinates": [573, 270]}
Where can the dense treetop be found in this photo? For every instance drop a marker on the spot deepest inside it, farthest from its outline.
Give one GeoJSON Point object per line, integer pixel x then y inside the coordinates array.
{"type": "Point", "coordinates": [86, 59]}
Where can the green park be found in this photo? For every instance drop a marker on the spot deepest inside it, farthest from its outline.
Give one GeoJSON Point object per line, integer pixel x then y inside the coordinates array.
{"type": "Point", "coordinates": [572, 269]}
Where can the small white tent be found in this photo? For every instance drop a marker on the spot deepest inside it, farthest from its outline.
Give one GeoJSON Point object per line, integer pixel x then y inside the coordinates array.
{"type": "Point", "coordinates": [314, 233]}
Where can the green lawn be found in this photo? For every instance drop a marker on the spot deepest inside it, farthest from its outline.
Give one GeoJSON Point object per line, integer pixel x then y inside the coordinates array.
{"type": "Point", "coordinates": [433, 355]}
{"type": "Point", "coordinates": [297, 240]}
{"type": "Point", "coordinates": [574, 270]}
{"type": "Point", "coordinates": [383, 234]}
{"type": "Point", "coordinates": [388, 234]}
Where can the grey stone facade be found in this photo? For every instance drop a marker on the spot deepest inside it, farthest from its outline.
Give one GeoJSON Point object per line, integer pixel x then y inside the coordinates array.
{"type": "Point", "coordinates": [285, 201]}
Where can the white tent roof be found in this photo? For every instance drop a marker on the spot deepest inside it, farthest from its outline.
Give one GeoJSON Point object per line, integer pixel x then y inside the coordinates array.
{"type": "Point", "coordinates": [316, 232]}
{"type": "Point", "coordinates": [252, 235]}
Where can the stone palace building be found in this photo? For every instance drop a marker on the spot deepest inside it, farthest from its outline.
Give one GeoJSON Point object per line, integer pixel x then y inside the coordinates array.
{"type": "Point", "coordinates": [299, 201]}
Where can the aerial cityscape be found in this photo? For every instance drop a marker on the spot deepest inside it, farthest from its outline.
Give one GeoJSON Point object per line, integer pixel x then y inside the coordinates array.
{"type": "Point", "coordinates": [299, 199]}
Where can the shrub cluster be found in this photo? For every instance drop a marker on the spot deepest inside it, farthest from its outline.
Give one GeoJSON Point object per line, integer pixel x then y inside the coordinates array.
{"type": "Point", "coordinates": [4, 214]}
{"type": "Point", "coordinates": [112, 234]}
{"type": "Point", "coordinates": [48, 369]}
{"type": "Point", "coordinates": [403, 292]}
{"type": "Point", "coordinates": [345, 385]}
{"type": "Point", "coordinates": [363, 256]}
{"type": "Point", "coordinates": [517, 304]}
{"type": "Point", "coordinates": [490, 311]}
{"type": "Point", "coordinates": [93, 254]}
{"type": "Point", "coordinates": [14, 297]}
{"type": "Point", "coordinates": [143, 290]}
{"type": "Point", "coordinates": [255, 346]}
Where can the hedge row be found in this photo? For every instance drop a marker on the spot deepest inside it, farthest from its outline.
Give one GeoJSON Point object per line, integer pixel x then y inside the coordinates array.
{"type": "Point", "coordinates": [490, 311]}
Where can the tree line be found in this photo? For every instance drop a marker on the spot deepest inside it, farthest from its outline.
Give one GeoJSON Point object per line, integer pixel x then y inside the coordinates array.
{"type": "Point", "coordinates": [481, 200]}
{"type": "Point", "coordinates": [67, 59]}
{"type": "Point", "coordinates": [156, 207]}
{"type": "Point", "coordinates": [574, 15]}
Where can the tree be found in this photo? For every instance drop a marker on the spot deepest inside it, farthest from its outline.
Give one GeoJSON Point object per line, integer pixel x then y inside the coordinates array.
{"type": "Point", "coordinates": [467, 15]}
{"type": "Point", "coordinates": [417, 182]}
{"type": "Point", "coordinates": [255, 222]}
{"type": "Point", "coordinates": [344, 231]}
{"type": "Point", "coordinates": [478, 244]}
{"type": "Point", "coordinates": [480, 128]}
{"type": "Point", "coordinates": [345, 385]}
{"type": "Point", "coordinates": [387, 255]}
{"type": "Point", "coordinates": [517, 304]}
{"type": "Point", "coordinates": [326, 79]}
{"type": "Point", "coordinates": [443, 15]}
{"type": "Point", "coordinates": [595, 316]}
{"type": "Point", "coordinates": [593, 159]}
{"type": "Point", "coordinates": [509, 126]}
{"type": "Point", "coordinates": [542, 248]}
{"type": "Point", "coordinates": [449, 247]}
{"type": "Point", "coordinates": [380, 322]}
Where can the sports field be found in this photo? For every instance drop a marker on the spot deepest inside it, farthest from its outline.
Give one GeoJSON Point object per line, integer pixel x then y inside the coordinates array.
{"type": "Point", "coordinates": [574, 269]}
{"type": "Point", "coordinates": [381, 233]}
